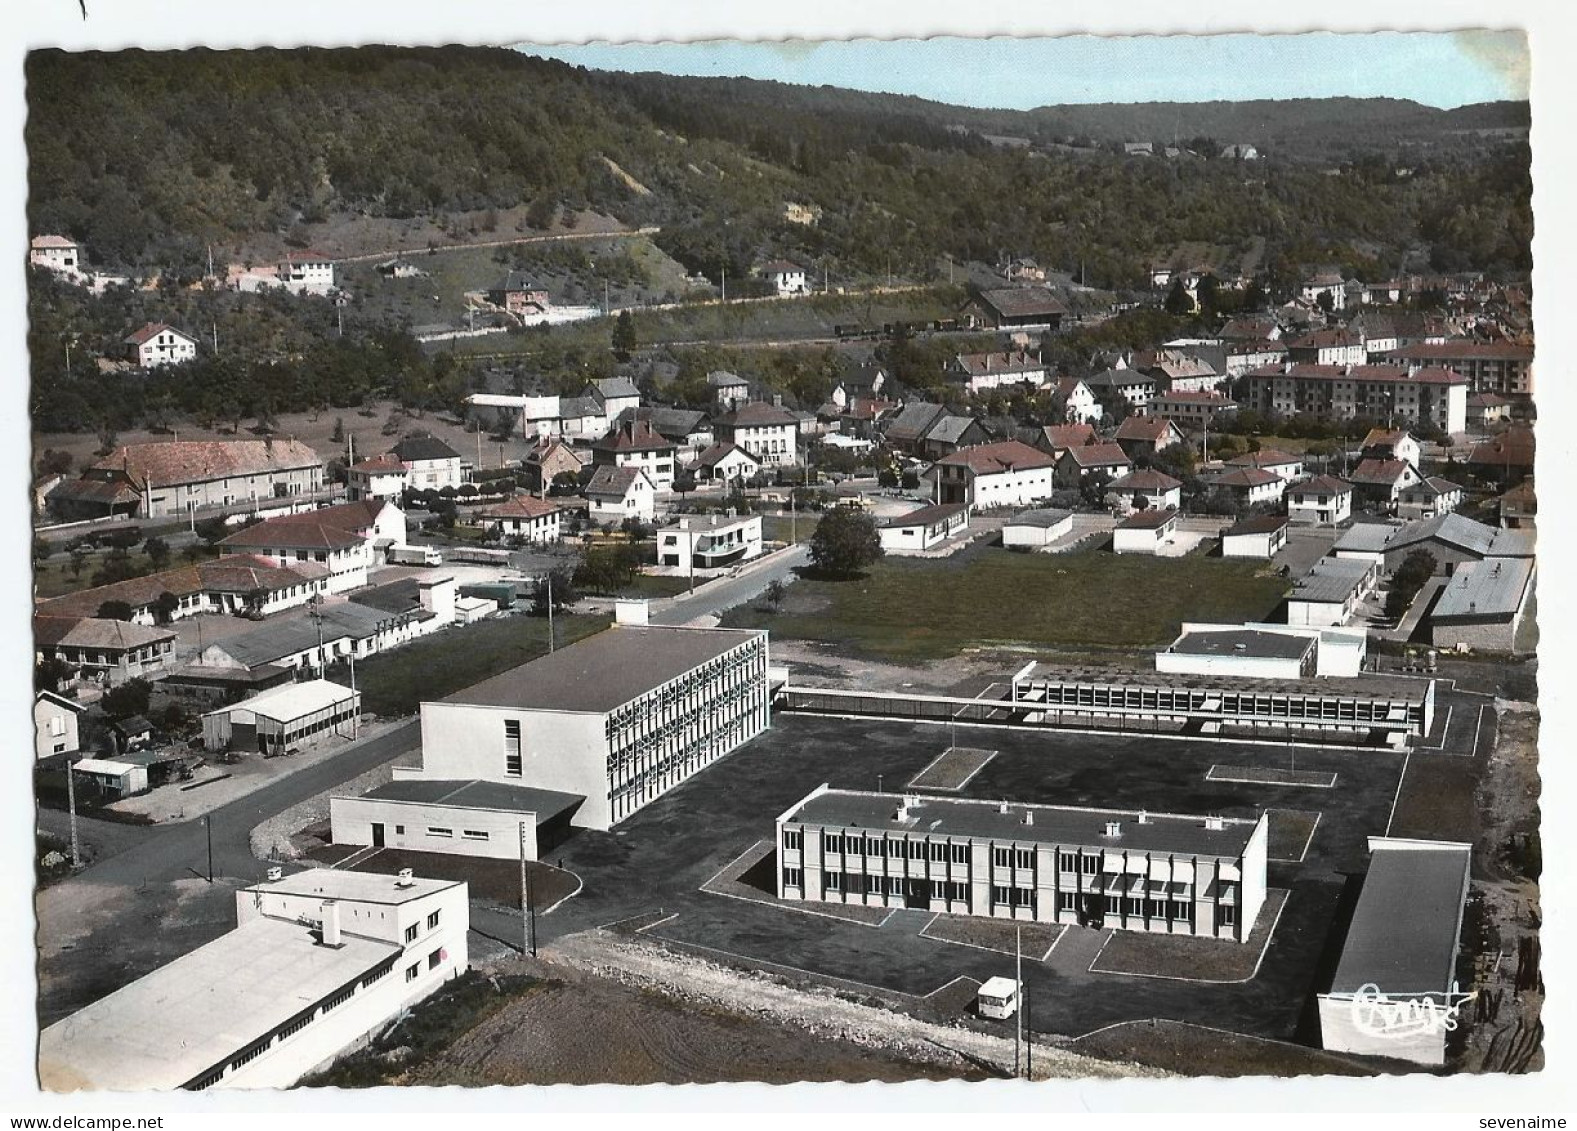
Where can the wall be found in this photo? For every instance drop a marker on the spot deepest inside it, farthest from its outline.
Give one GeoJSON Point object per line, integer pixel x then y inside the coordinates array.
{"type": "Point", "coordinates": [352, 819]}
{"type": "Point", "coordinates": [1257, 667]}
{"type": "Point", "coordinates": [1339, 1032]}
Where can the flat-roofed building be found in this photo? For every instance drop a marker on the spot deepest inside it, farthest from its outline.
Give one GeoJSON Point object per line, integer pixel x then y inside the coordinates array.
{"type": "Point", "coordinates": [709, 541]}
{"type": "Point", "coordinates": [463, 818]}
{"type": "Point", "coordinates": [1395, 983]}
{"type": "Point", "coordinates": [1198, 649]}
{"type": "Point", "coordinates": [1365, 541]}
{"type": "Point", "coordinates": [1328, 594]}
{"type": "Point", "coordinates": [924, 528]}
{"type": "Point", "coordinates": [618, 718]}
{"type": "Point", "coordinates": [317, 961]}
{"type": "Point", "coordinates": [1369, 709]}
{"type": "Point", "coordinates": [1240, 652]}
{"type": "Point", "coordinates": [1262, 537]}
{"type": "Point", "coordinates": [1162, 873]}
{"type": "Point", "coordinates": [1035, 528]}
{"type": "Point", "coordinates": [1483, 605]}
{"type": "Point", "coordinates": [1145, 532]}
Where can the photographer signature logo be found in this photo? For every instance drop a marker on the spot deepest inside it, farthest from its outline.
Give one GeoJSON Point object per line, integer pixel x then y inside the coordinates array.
{"type": "Point", "coordinates": [1398, 1018]}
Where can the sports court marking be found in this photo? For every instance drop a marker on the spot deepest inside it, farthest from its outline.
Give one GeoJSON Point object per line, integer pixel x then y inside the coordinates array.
{"type": "Point", "coordinates": [1307, 840]}
{"type": "Point", "coordinates": [1271, 775]}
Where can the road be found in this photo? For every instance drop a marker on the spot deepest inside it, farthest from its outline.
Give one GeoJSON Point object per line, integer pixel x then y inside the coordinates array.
{"type": "Point", "coordinates": [727, 592]}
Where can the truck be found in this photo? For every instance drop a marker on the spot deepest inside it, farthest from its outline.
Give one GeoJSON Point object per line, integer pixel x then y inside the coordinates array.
{"type": "Point", "coordinates": [415, 555]}
{"type": "Point", "coordinates": [479, 555]}
{"type": "Point", "coordinates": [997, 998]}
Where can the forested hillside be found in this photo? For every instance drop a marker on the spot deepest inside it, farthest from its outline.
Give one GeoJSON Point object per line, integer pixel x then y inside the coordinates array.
{"type": "Point", "coordinates": [149, 158]}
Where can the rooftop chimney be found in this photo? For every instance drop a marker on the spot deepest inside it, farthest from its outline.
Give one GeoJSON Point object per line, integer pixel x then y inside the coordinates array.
{"type": "Point", "coordinates": [1029, 816]}
{"type": "Point", "coordinates": [331, 931]}
{"type": "Point", "coordinates": [1144, 817]}
{"type": "Point", "coordinates": [275, 874]}
{"type": "Point", "coordinates": [1114, 828]}
{"type": "Point", "coordinates": [1003, 808]}
{"type": "Point", "coordinates": [1215, 824]}
{"type": "Point", "coordinates": [404, 879]}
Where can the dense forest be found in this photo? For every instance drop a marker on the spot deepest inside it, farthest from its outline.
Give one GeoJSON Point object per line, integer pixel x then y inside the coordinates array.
{"type": "Point", "coordinates": [149, 157]}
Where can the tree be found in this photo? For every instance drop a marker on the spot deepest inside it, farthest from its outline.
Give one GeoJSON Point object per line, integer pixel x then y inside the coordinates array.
{"type": "Point", "coordinates": [624, 342]}
{"type": "Point", "coordinates": [114, 610]}
{"type": "Point", "coordinates": [210, 530]}
{"type": "Point", "coordinates": [158, 551]}
{"type": "Point", "coordinates": [684, 482]}
{"type": "Point", "coordinates": [130, 698]}
{"type": "Point", "coordinates": [165, 606]}
{"type": "Point", "coordinates": [1411, 576]}
{"type": "Point", "coordinates": [775, 594]}
{"type": "Point", "coordinates": [563, 589]}
{"type": "Point", "coordinates": [845, 542]}
{"type": "Point", "coordinates": [1178, 304]}
{"type": "Point", "coordinates": [50, 672]}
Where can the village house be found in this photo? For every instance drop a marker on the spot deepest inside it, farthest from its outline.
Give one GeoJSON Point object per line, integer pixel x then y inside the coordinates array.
{"type": "Point", "coordinates": [636, 444]}
{"type": "Point", "coordinates": [307, 272]}
{"type": "Point", "coordinates": [1327, 347]}
{"type": "Point", "coordinates": [55, 729]}
{"type": "Point", "coordinates": [1178, 372]}
{"type": "Point", "coordinates": [977, 373]}
{"type": "Point", "coordinates": [1382, 481]}
{"type": "Point", "coordinates": [1429, 497]}
{"type": "Point", "coordinates": [382, 477]}
{"type": "Point", "coordinates": [1144, 489]}
{"type": "Point", "coordinates": [241, 584]}
{"type": "Point", "coordinates": [1243, 356]}
{"type": "Point", "coordinates": [157, 344]}
{"type": "Point", "coordinates": [1284, 464]}
{"type": "Point", "coordinates": [766, 431]}
{"type": "Point", "coordinates": [725, 464]}
{"type": "Point", "coordinates": [1321, 501]}
{"type": "Point", "coordinates": [924, 528]}
{"type": "Point", "coordinates": [173, 478]}
{"type": "Point", "coordinates": [1075, 465]}
{"type": "Point", "coordinates": [535, 520]}
{"type": "Point", "coordinates": [1136, 388]}
{"type": "Point", "coordinates": [617, 493]}
{"type": "Point", "coordinates": [615, 395]}
{"type": "Point", "coordinates": [1251, 485]}
{"type": "Point", "coordinates": [55, 253]}
{"type": "Point", "coordinates": [1004, 474]}
{"type": "Point", "coordinates": [333, 633]}
{"type": "Point", "coordinates": [518, 294]}
{"type": "Point", "coordinates": [787, 277]}
{"type": "Point", "coordinates": [1018, 308]}
{"type": "Point", "coordinates": [1077, 400]}
{"type": "Point", "coordinates": [1146, 435]}
{"type": "Point", "coordinates": [864, 382]}
{"type": "Point", "coordinates": [1485, 409]}
{"type": "Point", "coordinates": [1328, 284]}
{"type": "Point", "coordinates": [1382, 443]}
{"type": "Point", "coordinates": [547, 460]}
{"type": "Point", "coordinates": [348, 539]}
{"type": "Point", "coordinates": [730, 390]}
{"type": "Point", "coordinates": [430, 464]}
{"type": "Point", "coordinates": [1504, 459]}
{"type": "Point", "coordinates": [1420, 397]}
{"type": "Point", "coordinates": [1261, 537]}
{"type": "Point", "coordinates": [1191, 409]}
{"type": "Point", "coordinates": [578, 418]}
{"type": "Point", "coordinates": [709, 541]}
{"type": "Point", "coordinates": [1519, 507]}
{"type": "Point", "coordinates": [104, 651]}
{"type": "Point", "coordinates": [1377, 332]}
{"type": "Point", "coordinates": [690, 430]}
{"type": "Point", "coordinates": [1054, 439]}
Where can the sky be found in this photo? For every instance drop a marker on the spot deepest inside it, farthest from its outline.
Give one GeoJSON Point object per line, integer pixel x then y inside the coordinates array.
{"type": "Point", "coordinates": [1443, 69]}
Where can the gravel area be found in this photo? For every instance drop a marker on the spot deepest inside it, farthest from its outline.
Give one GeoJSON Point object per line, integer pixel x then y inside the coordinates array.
{"type": "Point", "coordinates": [276, 837]}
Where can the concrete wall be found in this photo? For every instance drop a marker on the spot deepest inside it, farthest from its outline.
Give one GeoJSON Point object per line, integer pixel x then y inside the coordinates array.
{"type": "Point", "coordinates": [408, 824]}
{"type": "Point", "coordinates": [1340, 1032]}
{"type": "Point", "coordinates": [559, 750]}
{"type": "Point", "coordinates": [1257, 667]}
{"type": "Point", "coordinates": [1035, 535]}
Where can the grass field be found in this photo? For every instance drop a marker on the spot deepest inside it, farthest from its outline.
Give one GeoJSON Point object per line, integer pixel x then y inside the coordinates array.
{"type": "Point", "coordinates": [928, 609]}
{"type": "Point", "coordinates": [395, 683]}
{"type": "Point", "coordinates": [779, 528]}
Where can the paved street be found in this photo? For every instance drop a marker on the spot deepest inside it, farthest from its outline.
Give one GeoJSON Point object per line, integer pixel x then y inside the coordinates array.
{"type": "Point", "coordinates": [725, 593]}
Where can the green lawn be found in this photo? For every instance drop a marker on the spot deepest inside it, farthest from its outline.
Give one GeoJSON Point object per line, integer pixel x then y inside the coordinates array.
{"type": "Point", "coordinates": [653, 586]}
{"type": "Point", "coordinates": [928, 609]}
{"type": "Point", "coordinates": [395, 683]}
{"type": "Point", "coordinates": [777, 528]}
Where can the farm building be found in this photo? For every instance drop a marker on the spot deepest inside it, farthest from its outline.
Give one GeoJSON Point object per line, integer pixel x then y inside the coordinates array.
{"type": "Point", "coordinates": [924, 528]}
{"type": "Point", "coordinates": [1483, 605]}
{"type": "Point", "coordinates": [278, 720]}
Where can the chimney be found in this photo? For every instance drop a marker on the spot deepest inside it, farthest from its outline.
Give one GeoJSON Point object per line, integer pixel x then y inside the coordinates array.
{"type": "Point", "coordinates": [1114, 828]}
{"type": "Point", "coordinates": [1215, 824]}
{"type": "Point", "coordinates": [331, 931]}
{"type": "Point", "coordinates": [1003, 808]}
{"type": "Point", "coordinates": [275, 874]}
{"type": "Point", "coordinates": [1029, 816]}
{"type": "Point", "coordinates": [777, 400]}
{"type": "Point", "coordinates": [404, 879]}
{"type": "Point", "coordinates": [1144, 817]}
{"type": "Point", "coordinates": [631, 612]}
{"type": "Point", "coordinates": [684, 523]}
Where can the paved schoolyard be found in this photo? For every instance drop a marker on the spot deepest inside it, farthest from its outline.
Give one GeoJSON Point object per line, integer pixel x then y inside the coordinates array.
{"type": "Point", "coordinates": [660, 858]}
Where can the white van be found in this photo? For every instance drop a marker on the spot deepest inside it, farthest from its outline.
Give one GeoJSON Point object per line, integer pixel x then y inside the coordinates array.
{"type": "Point", "coordinates": [997, 998]}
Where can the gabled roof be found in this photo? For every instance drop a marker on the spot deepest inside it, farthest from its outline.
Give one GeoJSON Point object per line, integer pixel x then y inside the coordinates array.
{"type": "Point", "coordinates": [1098, 455]}
{"type": "Point", "coordinates": [518, 281]}
{"type": "Point", "coordinates": [1386, 437]}
{"type": "Point", "coordinates": [997, 459]}
{"type": "Point", "coordinates": [1148, 429]}
{"type": "Point", "coordinates": [423, 447]}
{"type": "Point", "coordinates": [1068, 435]}
{"type": "Point", "coordinates": [1145, 479]}
{"type": "Point", "coordinates": [97, 632]}
{"type": "Point", "coordinates": [949, 429]}
{"type": "Point", "coordinates": [1322, 485]}
{"type": "Point", "coordinates": [723, 379]}
{"type": "Point", "coordinates": [717, 453]}
{"type": "Point", "coordinates": [42, 242]}
{"type": "Point", "coordinates": [634, 436]}
{"type": "Point", "coordinates": [236, 573]}
{"type": "Point", "coordinates": [1265, 457]}
{"type": "Point", "coordinates": [1433, 487]}
{"type": "Point", "coordinates": [1512, 448]}
{"type": "Point", "coordinates": [1023, 302]}
{"type": "Point", "coordinates": [386, 464]}
{"type": "Point", "coordinates": [754, 414]}
{"type": "Point", "coordinates": [782, 267]}
{"type": "Point", "coordinates": [611, 387]}
{"type": "Point", "coordinates": [521, 506]}
{"type": "Point", "coordinates": [1381, 472]}
{"type": "Point", "coordinates": [1460, 531]}
{"type": "Point", "coordinates": [1259, 524]}
{"type": "Point", "coordinates": [1324, 339]}
{"type": "Point", "coordinates": [167, 463]}
{"type": "Point", "coordinates": [613, 482]}
{"type": "Point", "coordinates": [913, 421]}
{"type": "Point", "coordinates": [580, 408]}
{"type": "Point", "coordinates": [1118, 379]}
{"type": "Point", "coordinates": [1245, 477]}
{"type": "Point", "coordinates": [674, 423]}
{"type": "Point", "coordinates": [999, 361]}
{"type": "Point", "coordinates": [151, 330]}
{"type": "Point", "coordinates": [1152, 519]}
{"type": "Point", "coordinates": [341, 527]}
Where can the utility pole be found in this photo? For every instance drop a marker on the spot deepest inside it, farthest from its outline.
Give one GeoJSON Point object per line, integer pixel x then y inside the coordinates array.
{"type": "Point", "coordinates": [71, 807]}
{"type": "Point", "coordinates": [725, 284]}
{"type": "Point", "coordinates": [355, 719]}
{"type": "Point", "coordinates": [550, 610]}
{"type": "Point", "coordinates": [528, 910]}
{"type": "Point", "coordinates": [208, 827]}
{"type": "Point", "coordinates": [1018, 997]}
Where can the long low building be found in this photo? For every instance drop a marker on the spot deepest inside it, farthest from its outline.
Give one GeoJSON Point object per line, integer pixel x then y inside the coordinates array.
{"type": "Point", "coordinates": [924, 528]}
{"type": "Point", "coordinates": [1237, 650]}
{"type": "Point", "coordinates": [1372, 708]}
{"type": "Point", "coordinates": [1395, 984]}
{"type": "Point", "coordinates": [1033, 529]}
{"type": "Point", "coordinates": [464, 818]}
{"type": "Point", "coordinates": [1483, 605]}
{"type": "Point", "coordinates": [317, 961]}
{"type": "Point", "coordinates": [1099, 868]}
{"type": "Point", "coordinates": [1328, 595]}
{"type": "Point", "coordinates": [280, 719]}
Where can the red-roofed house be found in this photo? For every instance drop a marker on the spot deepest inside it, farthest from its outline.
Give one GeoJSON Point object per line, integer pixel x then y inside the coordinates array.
{"type": "Point", "coordinates": [982, 372]}
{"type": "Point", "coordinates": [725, 463]}
{"type": "Point", "coordinates": [617, 493]}
{"type": "Point", "coordinates": [346, 539]}
{"type": "Point", "coordinates": [382, 477]}
{"type": "Point", "coordinates": [1075, 465]}
{"type": "Point", "coordinates": [535, 520]}
{"type": "Point", "coordinates": [174, 477]}
{"type": "Point", "coordinates": [55, 253]}
{"type": "Point", "coordinates": [157, 344]}
{"type": "Point", "coordinates": [1079, 405]}
{"type": "Point", "coordinates": [786, 277]}
{"type": "Point", "coordinates": [1145, 489]}
{"type": "Point", "coordinates": [1321, 501]}
{"type": "Point", "coordinates": [1394, 443]}
{"type": "Point", "coordinates": [236, 583]}
{"type": "Point", "coordinates": [1251, 485]}
{"type": "Point", "coordinates": [766, 431]}
{"type": "Point", "coordinates": [1146, 435]}
{"type": "Point", "coordinates": [1484, 409]}
{"type": "Point", "coordinates": [636, 444]}
{"type": "Point", "coordinates": [1005, 474]}
{"type": "Point", "coordinates": [1429, 497]}
{"type": "Point", "coordinates": [1054, 439]}
{"type": "Point", "coordinates": [1383, 480]}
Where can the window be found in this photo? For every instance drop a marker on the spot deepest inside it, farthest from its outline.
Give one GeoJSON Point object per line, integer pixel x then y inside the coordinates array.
{"type": "Point", "coordinates": [512, 748]}
{"type": "Point", "coordinates": [833, 881]}
{"type": "Point", "coordinates": [960, 853]}
{"type": "Point", "coordinates": [792, 840]}
{"type": "Point", "coordinates": [917, 850]}
{"type": "Point", "coordinates": [435, 958]}
{"type": "Point", "coordinates": [1067, 901]}
{"type": "Point", "coordinates": [1227, 915]}
{"type": "Point", "coordinates": [1025, 857]}
{"type": "Point", "coordinates": [475, 834]}
{"type": "Point", "coordinates": [1067, 862]}
{"type": "Point", "coordinates": [1023, 897]}
{"type": "Point", "coordinates": [957, 892]}
{"type": "Point", "coordinates": [831, 843]}
{"type": "Point", "coordinates": [1002, 857]}
{"type": "Point", "coordinates": [938, 851]}
{"type": "Point", "coordinates": [413, 971]}
{"type": "Point", "coordinates": [410, 932]}
{"type": "Point", "coordinates": [1113, 905]}
{"type": "Point", "coordinates": [1091, 863]}
{"type": "Point", "coordinates": [792, 877]}
{"type": "Point", "coordinates": [895, 848]}
{"type": "Point", "coordinates": [1001, 895]}
{"type": "Point", "coordinates": [432, 920]}
{"type": "Point", "coordinates": [399, 830]}
{"type": "Point", "coordinates": [374, 976]}
{"type": "Point", "coordinates": [433, 830]}
{"type": "Point", "coordinates": [1182, 911]}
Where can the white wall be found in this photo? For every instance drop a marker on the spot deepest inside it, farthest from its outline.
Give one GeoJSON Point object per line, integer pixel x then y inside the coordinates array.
{"type": "Point", "coordinates": [1256, 667]}
{"type": "Point", "coordinates": [1035, 535]}
{"type": "Point", "coordinates": [352, 818]}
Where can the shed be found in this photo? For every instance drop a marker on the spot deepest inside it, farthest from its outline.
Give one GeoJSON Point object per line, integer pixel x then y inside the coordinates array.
{"type": "Point", "coordinates": [119, 778]}
{"type": "Point", "coordinates": [1035, 528]}
{"type": "Point", "coordinates": [1262, 537]}
{"type": "Point", "coordinates": [278, 721]}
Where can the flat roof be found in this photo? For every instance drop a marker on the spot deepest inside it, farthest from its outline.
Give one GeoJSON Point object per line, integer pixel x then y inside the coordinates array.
{"type": "Point", "coordinates": [1053, 824]}
{"type": "Point", "coordinates": [603, 672]}
{"type": "Point", "coordinates": [1046, 517]}
{"type": "Point", "coordinates": [1350, 687]}
{"type": "Point", "coordinates": [1243, 642]}
{"type": "Point", "coordinates": [293, 700]}
{"type": "Point", "coordinates": [1492, 587]}
{"type": "Point", "coordinates": [175, 1023]}
{"type": "Point", "coordinates": [476, 794]}
{"type": "Point", "coordinates": [1403, 936]}
{"type": "Point", "coordinates": [1332, 580]}
{"type": "Point", "coordinates": [357, 887]}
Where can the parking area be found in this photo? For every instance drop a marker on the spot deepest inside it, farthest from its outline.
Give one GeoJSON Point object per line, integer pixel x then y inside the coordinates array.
{"type": "Point", "coordinates": [660, 859]}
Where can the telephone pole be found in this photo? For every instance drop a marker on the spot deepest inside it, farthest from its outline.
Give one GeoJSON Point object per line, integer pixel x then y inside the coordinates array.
{"type": "Point", "coordinates": [1018, 995]}
{"type": "Point", "coordinates": [71, 807]}
{"type": "Point", "coordinates": [528, 910]}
